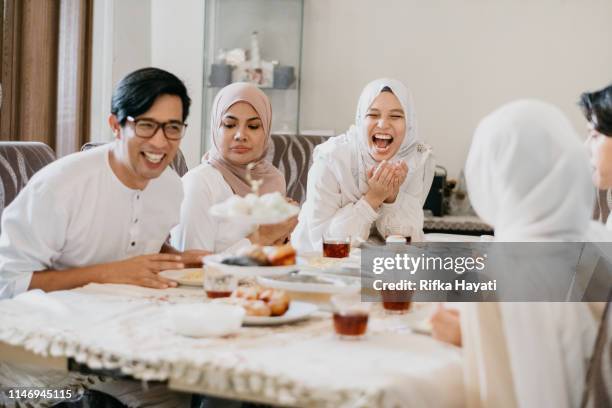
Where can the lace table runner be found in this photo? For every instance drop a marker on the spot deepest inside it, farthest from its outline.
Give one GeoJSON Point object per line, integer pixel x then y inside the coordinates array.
{"type": "Point", "coordinates": [124, 327]}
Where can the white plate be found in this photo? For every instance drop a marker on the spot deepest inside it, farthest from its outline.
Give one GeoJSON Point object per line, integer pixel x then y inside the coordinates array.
{"type": "Point", "coordinates": [220, 211]}
{"type": "Point", "coordinates": [182, 277]}
{"type": "Point", "coordinates": [309, 282]}
{"type": "Point", "coordinates": [316, 262]}
{"type": "Point", "coordinates": [297, 311]}
{"type": "Point", "coordinates": [246, 271]}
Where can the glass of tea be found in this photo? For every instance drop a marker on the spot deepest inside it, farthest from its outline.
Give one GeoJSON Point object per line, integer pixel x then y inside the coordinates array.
{"type": "Point", "coordinates": [350, 315]}
{"type": "Point", "coordinates": [218, 284]}
{"type": "Point", "coordinates": [336, 246]}
{"type": "Point", "coordinates": [397, 301]}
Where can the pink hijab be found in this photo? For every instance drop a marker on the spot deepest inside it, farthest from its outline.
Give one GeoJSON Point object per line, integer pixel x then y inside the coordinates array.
{"type": "Point", "coordinates": [235, 174]}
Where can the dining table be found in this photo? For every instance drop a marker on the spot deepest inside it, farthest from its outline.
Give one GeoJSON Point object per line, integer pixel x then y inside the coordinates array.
{"type": "Point", "coordinates": [127, 332]}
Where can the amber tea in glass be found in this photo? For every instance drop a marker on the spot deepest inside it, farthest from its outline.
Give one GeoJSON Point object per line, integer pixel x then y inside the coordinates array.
{"type": "Point", "coordinates": [350, 315]}
{"type": "Point", "coordinates": [218, 284]}
{"type": "Point", "coordinates": [336, 247]}
{"type": "Point", "coordinates": [397, 301]}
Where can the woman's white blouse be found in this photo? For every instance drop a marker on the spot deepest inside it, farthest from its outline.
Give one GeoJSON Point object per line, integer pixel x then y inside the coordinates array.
{"type": "Point", "coordinates": [204, 186]}
{"type": "Point", "coordinates": [330, 209]}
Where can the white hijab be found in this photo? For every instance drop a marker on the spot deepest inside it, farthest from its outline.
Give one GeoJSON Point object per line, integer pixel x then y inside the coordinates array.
{"type": "Point", "coordinates": [350, 150]}
{"type": "Point", "coordinates": [528, 176]}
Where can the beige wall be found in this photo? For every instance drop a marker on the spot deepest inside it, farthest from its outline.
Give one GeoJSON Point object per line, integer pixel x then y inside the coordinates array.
{"type": "Point", "coordinates": [461, 58]}
{"type": "Point", "coordinates": [131, 34]}
{"type": "Point", "coordinates": [177, 45]}
{"type": "Point", "coordinates": [121, 44]}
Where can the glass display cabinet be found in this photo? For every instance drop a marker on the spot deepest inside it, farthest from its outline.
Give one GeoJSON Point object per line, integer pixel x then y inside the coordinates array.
{"type": "Point", "coordinates": [258, 41]}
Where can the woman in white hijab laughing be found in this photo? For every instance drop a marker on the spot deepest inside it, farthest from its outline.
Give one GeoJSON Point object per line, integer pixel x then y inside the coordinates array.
{"type": "Point", "coordinates": [377, 172]}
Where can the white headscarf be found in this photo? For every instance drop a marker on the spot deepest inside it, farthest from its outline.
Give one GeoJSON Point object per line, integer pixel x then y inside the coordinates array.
{"type": "Point", "coordinates": [528, 174]}
{"type": "Point", "coordinates": [351, 148]}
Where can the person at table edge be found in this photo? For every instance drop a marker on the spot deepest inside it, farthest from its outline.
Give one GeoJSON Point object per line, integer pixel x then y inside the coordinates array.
{"type": "Point", "coordinates": [104, 215]}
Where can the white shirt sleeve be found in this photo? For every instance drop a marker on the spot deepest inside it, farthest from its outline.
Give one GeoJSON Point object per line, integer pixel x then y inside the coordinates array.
{"type": "Point", "coordinates": [197, 228]}
{"type": "Point", "coordinates": [34, 229]}
{"type": "Point", "coordinates": [405, 216]}
{"type": "Point", "coordinates": [324, 213]}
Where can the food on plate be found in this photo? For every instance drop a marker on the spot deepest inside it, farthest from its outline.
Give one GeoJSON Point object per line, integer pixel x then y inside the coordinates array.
{"type": "Point", "coordinates": [267, 206]}
{"type": "Point", "coordinates": [324, 262]}
{"type": "Point", "coordinates": [282, 256]}
{"type": "Point", "coordinates": [256, 308]}
{"type": "Point", "coordinates": [257, 255]}
{"type": "Point", "coordinates": [247, 292]}
{"type": "Point", "coordinates": [241, 260]}
{"type": "Point", "coordinates": [195, 275]}
{"type": "Point", "coordinates": [277, 300]}
{"type": "Point", "coordinates": [258, 301]}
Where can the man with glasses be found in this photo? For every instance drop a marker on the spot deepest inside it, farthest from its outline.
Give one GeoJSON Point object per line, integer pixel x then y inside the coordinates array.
{"type": "Point", "coordinates": [104, 215]}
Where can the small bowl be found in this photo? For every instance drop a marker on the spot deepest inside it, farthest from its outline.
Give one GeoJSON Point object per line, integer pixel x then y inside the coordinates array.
{"type": "Point", "coordinates": [205, 319]}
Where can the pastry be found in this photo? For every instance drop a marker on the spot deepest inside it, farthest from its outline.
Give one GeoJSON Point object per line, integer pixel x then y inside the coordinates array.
{"type": "Point", "coordinates": [256, 308]}
{"type": "Point", "coordinates": [277, 300]}
{"type": "Point", "coordinates": [282, 256]}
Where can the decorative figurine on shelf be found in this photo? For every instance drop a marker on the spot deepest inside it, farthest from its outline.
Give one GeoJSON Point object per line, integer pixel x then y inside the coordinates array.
{"type": "Point", "coordinates": [239, 65]}
{"type": "Point", "coordinates": [255, 57]}
{"type": "Point", "coordinates": [257, 71]}
{"type": "Point", "coordinates": [235, 57]}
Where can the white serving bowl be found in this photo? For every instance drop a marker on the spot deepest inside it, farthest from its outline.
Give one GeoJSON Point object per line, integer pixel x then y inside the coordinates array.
{"type": "Point", "coordinates": [205, 319]}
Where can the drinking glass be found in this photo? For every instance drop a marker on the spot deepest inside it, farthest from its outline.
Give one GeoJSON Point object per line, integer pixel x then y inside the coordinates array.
{"type": "Point", "coordinates": [350, 315]}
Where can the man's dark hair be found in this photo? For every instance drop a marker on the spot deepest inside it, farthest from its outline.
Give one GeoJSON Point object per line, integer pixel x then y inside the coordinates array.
{"type": "Point", "coordinates": [597, 108]}
{"type": "Point", "coordinates": [137, 92]}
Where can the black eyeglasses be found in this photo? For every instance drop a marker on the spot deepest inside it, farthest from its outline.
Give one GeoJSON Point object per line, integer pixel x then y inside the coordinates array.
{"type": "Point", "coordinates": [146, 128]}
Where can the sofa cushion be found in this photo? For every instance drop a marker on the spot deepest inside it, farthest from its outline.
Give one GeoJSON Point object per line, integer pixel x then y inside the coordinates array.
{"type": "Point", "coordinates": [18, 162]}
{"type": "Point", "coordinates": [292, 155]}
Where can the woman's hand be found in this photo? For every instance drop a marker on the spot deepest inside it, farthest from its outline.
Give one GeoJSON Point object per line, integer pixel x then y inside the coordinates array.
{"type": "Point", "coordinates": [380, 183]}
{"type": "Point", "coordinates": [400, 172]}
{"type": "Point", "coordinates": [446, 325]}
{"type": "Point", "coordinates": [275, 234]}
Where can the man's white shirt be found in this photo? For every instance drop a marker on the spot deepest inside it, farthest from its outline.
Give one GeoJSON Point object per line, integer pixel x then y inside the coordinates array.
{"type": "Point", "coordinates": [75, 212]}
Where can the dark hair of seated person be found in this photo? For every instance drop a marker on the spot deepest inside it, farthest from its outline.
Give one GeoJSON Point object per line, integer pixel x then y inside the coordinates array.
{"type": "Point", "coordinates": [137, 92]}
{"type": "Point", "coordinates": [597, 108]}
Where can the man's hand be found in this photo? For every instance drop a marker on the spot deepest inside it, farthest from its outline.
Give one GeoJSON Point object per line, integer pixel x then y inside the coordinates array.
{"type": "Point", "coordinates": [140, 270]}
{"type": "Point", "coordinates": [143, 270]}
{"type": "Point", "coordinates": [193, 257]}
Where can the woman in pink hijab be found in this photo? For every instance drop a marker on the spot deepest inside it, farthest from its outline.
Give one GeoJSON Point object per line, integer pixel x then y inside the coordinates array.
{"type": "Point", "coordinates": [241, 119]}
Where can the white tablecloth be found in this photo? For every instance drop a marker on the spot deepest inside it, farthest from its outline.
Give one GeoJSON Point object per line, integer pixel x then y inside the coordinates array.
{"type": "Point", "coordinates": [304, 364]}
